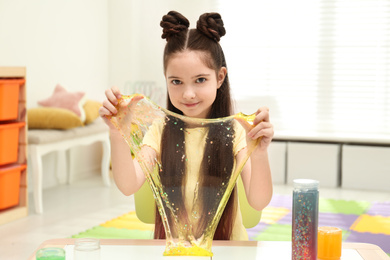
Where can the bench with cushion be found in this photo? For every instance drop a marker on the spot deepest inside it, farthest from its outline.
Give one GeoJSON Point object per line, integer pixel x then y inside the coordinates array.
{"type": "Point", "coordinates": [43, 141]}
{"type": "Point", "coordinates": [62, 121]}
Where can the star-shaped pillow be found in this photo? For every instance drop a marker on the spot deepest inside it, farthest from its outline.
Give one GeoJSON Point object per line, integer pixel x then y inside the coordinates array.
{"type": "Point", "coordinates": [61, 98]}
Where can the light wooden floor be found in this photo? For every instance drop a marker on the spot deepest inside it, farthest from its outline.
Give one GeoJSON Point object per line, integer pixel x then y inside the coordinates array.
{"type": "Point", "coordinates": [70, 209]}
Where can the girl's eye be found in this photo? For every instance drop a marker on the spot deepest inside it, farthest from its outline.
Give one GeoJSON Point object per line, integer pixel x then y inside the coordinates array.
{"type": "Point", "coordinates": [176, 82]}
{"type": "Point", "coordinates": [200, 80]}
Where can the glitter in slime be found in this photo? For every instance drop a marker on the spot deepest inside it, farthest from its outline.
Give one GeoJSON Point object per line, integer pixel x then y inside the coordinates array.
{"type": "Point", "coordinates": [189, 225]}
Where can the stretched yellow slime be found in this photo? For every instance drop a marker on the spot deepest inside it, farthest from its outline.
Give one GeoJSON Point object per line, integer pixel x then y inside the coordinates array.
{"type": "Point", "coordinates": [136, 116]}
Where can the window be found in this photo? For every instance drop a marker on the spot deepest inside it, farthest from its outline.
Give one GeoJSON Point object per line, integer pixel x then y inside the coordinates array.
{"type": "Point", "coordinates": [320, 65]}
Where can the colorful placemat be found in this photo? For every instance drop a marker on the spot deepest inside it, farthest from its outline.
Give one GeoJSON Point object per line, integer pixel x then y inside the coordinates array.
{"type": "Point", "coordinates": [125, 226]}
{"type": "Point", "coordinates": [361, 222]}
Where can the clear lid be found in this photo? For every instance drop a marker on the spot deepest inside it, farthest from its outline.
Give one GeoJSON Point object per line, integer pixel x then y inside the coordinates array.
{"type": "Point", "coordinates": [87, 244]}
{"type": "Point", "coordinates": [306, 184]}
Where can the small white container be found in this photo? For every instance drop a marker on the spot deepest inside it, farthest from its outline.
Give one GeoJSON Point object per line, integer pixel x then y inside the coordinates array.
{"type": "Point", "coordinates": [87, 249]}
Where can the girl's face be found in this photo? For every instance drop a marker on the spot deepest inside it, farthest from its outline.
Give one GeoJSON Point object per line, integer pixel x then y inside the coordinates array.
{"type": "Point", "coordinates": [192, 86]}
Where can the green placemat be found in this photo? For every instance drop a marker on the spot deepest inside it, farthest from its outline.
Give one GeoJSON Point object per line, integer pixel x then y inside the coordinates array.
{"type": "Point", "coordinates": [108, 232]}
{"type": "Point", "coordinates": [343, 206]}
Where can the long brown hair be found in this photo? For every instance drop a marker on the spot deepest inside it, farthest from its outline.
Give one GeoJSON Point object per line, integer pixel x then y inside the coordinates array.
{"type": "Point", "coordinates": [218, 157]}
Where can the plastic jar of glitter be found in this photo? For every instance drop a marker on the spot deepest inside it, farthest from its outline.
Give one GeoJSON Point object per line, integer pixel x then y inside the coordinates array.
{"type": "Point", "coordinates": [305, 219]}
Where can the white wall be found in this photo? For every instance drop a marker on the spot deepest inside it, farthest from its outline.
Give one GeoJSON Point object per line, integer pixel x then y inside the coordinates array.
{"type": "Point", "coordinates": [87, 45]}
{"type": "Point", "coordinates": [58, 42]}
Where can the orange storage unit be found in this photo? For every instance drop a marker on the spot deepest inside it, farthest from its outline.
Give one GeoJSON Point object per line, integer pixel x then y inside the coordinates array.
{"type": "Point", "coordinates": [9, 185]}
{"type": "Point", "coordinates": [9, 140]}
{"type": "Point", "coordinates": [13, 144]}
{"type": "Point", "coordinates": [9, 98]}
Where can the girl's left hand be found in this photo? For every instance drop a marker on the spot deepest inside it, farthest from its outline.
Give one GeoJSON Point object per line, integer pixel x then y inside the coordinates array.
{"type": "Point", "coordinates": [261, 128]}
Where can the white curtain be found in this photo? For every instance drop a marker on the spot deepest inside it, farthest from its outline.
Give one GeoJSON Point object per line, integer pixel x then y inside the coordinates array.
{"type": "Point", "coordinates": [322, 66]}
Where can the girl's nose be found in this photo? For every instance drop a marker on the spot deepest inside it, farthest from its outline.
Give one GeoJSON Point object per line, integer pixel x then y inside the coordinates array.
{"type": "Point", "coordinates": [189, 93]}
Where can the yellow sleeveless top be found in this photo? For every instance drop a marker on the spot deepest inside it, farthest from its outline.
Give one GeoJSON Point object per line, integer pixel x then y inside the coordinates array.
{"type": "Point", "coordinates": [195, 142]}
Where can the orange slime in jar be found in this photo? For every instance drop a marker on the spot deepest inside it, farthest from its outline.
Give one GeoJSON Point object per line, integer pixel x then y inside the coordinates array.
{"type": "Point", "coordinates": [329, 243]}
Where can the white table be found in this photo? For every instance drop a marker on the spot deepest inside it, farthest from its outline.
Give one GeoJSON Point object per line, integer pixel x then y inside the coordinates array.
{"type": "Point", "coordinates": [153, 249]}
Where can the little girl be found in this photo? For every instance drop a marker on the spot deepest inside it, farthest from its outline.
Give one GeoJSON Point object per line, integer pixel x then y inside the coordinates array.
{"type": "Point", "coordinates": [198, 86]}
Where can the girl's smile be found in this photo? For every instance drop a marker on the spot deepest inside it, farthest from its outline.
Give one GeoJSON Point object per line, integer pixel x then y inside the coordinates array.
{"type": "Point", "coordinates": [192, 104]}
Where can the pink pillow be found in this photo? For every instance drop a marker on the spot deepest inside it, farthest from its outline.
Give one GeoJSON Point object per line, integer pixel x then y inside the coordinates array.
{"type": "Point", "coordinates": [61, 98]}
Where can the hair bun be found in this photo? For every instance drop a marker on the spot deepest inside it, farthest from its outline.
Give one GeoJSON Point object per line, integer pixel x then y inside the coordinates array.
{"type": "Point", "coordinates": [211, 25]}
{"type": "Point", "coordinates": [173, 23]}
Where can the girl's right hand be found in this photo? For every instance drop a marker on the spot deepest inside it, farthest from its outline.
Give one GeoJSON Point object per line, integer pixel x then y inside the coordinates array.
{"type": "Point", "coordinates": [108, 109]}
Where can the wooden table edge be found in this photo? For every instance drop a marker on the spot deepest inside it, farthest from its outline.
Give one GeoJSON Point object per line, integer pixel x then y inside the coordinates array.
{"type": "Point", "coordinates": [367, 251]}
